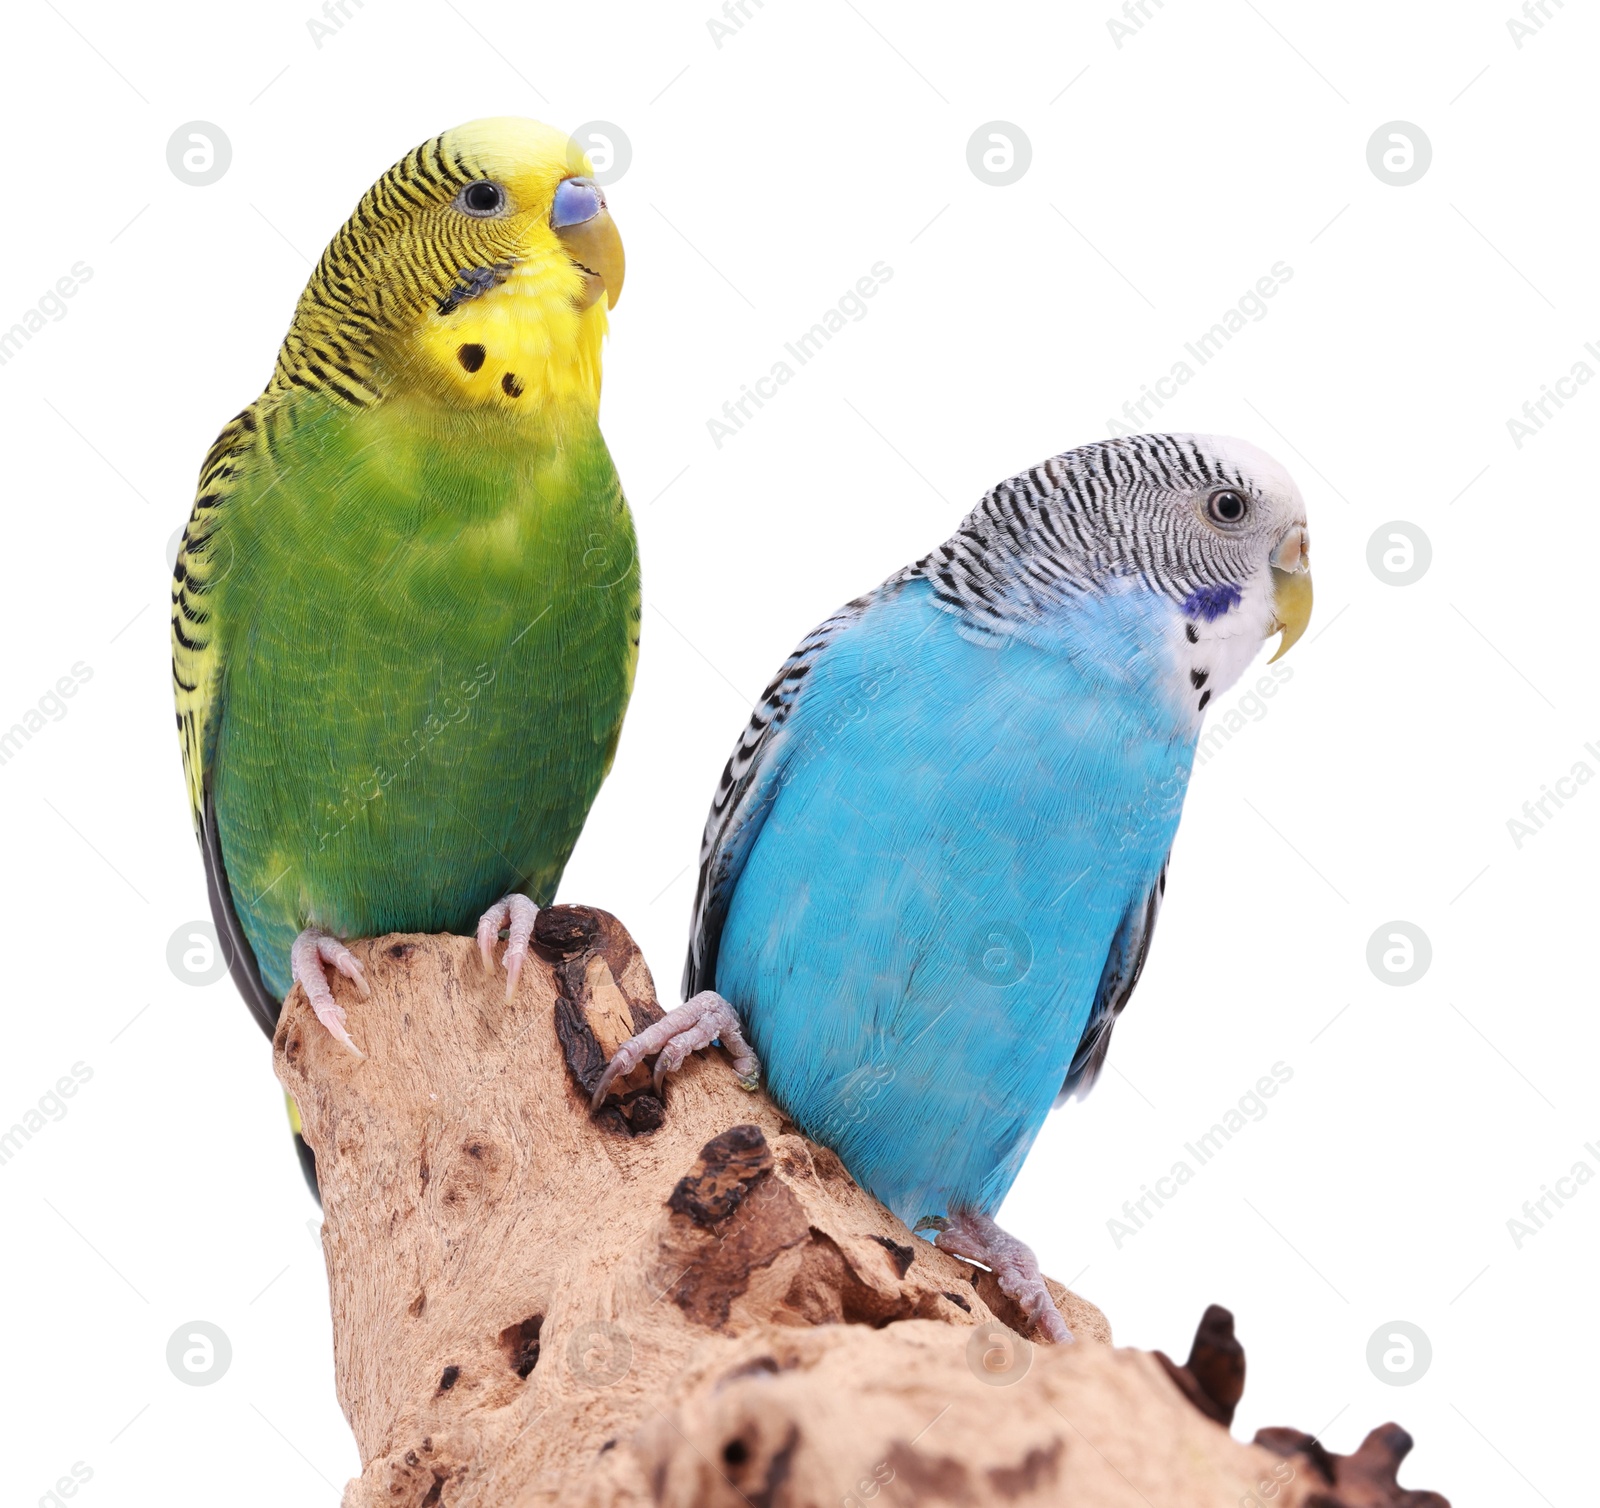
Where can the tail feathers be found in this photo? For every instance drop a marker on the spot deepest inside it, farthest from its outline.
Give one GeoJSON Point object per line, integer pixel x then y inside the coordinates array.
{"type": "Point", "coordinates": [308, 1158]}
{"type": "Point", "coordinates": [246, 972]}
{"type": "Point", "coordinates": [236, 946]}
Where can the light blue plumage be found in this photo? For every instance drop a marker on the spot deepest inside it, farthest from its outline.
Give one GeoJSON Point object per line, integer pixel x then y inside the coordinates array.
{"type": "Point", "coordinates": [933, 865]}
{"type": "Point", "coordinates": [927, 912]}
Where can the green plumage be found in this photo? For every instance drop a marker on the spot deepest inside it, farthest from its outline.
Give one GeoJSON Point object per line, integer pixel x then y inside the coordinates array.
{"type": "Point", "coordinates": [432, 625]}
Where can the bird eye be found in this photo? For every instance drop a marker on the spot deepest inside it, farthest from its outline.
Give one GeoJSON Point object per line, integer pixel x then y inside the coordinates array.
{"type": "Point", "coordinates": [1226, 507]}
{"type": "Point", "coordinates": [481, 199]}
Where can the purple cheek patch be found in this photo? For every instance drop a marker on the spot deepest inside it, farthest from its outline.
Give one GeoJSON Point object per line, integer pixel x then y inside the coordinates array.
{"type": "Point", "coordinates": [1211, 602]}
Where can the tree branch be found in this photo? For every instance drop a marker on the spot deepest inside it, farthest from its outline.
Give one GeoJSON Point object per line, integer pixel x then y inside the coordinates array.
{"type": "Point", "coordinates": [686, 1303]}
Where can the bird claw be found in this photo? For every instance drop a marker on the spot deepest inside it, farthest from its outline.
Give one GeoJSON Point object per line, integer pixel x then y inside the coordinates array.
{"type": "Point", "coordinates": [311, 950]}
{"type": "Point", "coordinates": [696, 1023]}
{"type": "Point", "coordinates": [978, 1239]}
{"type": "Point", "coordinates": [516, 913]}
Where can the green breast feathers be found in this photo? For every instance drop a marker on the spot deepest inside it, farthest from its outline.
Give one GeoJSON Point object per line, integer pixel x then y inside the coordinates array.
{"type": "Point", "coordinates": [422, 644]}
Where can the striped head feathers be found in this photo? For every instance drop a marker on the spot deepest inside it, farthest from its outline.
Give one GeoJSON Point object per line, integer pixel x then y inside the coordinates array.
{"type": "Point", "coordinates": [478, 270]}
{"type": "Point", "coordinates": [1212, 524]}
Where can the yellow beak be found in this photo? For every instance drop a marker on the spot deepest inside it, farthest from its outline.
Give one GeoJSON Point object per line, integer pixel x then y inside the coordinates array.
{"type": "Point", "coordinates": [596, 247]}
{"type": "Point", "coordinates": [1291, 589]}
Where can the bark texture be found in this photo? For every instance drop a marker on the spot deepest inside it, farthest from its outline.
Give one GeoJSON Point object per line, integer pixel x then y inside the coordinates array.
{"type": "Point", "coordinates": [683, 1301]}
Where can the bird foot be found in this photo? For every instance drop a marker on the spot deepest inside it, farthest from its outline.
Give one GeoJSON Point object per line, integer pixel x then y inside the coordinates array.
{"type": "Point", "coordinates": [312, 949]}
{"type": "Point", "coordinates": [978, 1239]}
{"type": "Point", "coordinates": [696, 1023]}
{"type": "Point", "coordinates": [516, 913]}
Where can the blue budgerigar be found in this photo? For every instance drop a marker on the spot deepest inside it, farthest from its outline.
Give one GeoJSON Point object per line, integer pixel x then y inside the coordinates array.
{"type": "Point", "coordinates": [934, 862]}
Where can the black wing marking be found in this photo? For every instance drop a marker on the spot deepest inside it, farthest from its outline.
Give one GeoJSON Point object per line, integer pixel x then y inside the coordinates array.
{"type": "Point", "coordinates": [745, 793]}
{"type": "Point", "coordinates": [201, 627]}
{"type": "Point", "coordinates": [236, 947]}
{"type": "Point", "coordinates": [1124, 963]}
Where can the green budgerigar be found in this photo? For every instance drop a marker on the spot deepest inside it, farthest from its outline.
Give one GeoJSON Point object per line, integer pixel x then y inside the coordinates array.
{"type": "Point", "coordinates": [406, 609]}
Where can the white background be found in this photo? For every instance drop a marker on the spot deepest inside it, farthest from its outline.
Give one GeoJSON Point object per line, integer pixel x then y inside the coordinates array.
{"type": "Point", "coordinates": [768, 174]}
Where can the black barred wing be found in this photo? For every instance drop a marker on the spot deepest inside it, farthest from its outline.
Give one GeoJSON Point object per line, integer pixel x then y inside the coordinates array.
{"type": "Point", "coordinates": [749, 785]}
{"type": "Point", "coordinates": [1124, 963]}
{"type": "Point", "coordinates": [202, 628]}
{"type": "Point", "coordinates": [205, 558]}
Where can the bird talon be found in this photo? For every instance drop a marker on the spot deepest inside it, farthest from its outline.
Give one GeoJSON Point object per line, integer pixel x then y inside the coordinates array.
{"type": "Point", "coordinates": [697, 1023]}
{"type": "Point", "coordinates": [332, 1017]}
{"type": "Point", "coordinates": [347, 964]}
{"type": "Point", "coordinates": [311, 950]}
{"type": "Point", "coordinates": [977, 1238]}
{"type": "Point", "coordinates": [622, 1064]}
{"type": "Point", "coordinates": [517, 914]}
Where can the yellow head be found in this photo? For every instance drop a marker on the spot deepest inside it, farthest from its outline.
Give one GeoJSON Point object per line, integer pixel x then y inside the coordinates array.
{"type": "Point", "coordinates": [478, 270]}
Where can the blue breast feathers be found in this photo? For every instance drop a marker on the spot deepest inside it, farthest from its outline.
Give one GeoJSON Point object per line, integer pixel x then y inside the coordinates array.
{"type": "Point", "coordinates": [949, 835]}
